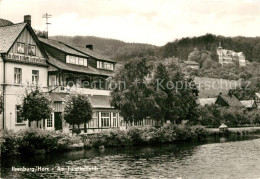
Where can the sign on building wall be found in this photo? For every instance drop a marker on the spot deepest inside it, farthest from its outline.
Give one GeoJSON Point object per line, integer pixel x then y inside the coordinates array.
{"type": "Point", "coordinates": [25, 58]}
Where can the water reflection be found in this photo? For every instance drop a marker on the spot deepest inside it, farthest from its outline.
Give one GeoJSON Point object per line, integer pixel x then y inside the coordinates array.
{"type": "Point", "coordinates": [237, 159]}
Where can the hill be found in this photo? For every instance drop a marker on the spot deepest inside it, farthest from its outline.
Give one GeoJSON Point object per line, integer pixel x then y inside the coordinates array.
{"type": "Point", "coordinates": [208, 44]}
{"type": "Point", "coordinates": [181, 48]}
{"type": "Point", "coordinates": [115, 49]}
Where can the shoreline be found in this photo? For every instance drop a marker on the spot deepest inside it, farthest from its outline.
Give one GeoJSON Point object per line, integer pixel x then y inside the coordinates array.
{"type": "Point", "coordinates": [171, 134]}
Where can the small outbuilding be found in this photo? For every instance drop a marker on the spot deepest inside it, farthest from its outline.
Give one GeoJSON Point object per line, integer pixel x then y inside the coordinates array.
{"type": "Point", "coordinates": [223, 128]}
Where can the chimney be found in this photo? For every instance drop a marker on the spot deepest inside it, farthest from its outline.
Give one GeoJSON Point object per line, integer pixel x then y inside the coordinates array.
{"type": "Point", "coordinates": [89, 46]}
{"type": "Point", "coordinates": [27, 19]}
{"type": "Point", "coordinates": [230, 93]}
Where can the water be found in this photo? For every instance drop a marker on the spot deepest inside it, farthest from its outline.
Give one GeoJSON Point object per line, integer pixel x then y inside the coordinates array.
{"type": "Point", "coordinates": [226, 159]}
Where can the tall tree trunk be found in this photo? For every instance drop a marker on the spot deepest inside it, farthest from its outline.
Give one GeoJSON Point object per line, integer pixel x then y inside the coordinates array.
{"type": "Point", "coordinates": [85, 127]}
{"type": "Point", "coordinates": [43, 123]}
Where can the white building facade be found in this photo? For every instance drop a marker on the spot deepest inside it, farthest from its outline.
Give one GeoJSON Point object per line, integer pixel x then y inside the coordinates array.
{"type": "Point", "coordinates": [23, 63]}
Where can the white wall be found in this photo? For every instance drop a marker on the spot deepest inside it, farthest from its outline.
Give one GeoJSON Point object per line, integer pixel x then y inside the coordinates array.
{"type": "Point", "coordinates": [14, 92]}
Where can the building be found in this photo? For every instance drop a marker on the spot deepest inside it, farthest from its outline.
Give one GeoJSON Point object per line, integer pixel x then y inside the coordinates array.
{"type": "Point", "coordinates": [23, 62]}
{"type": "Point", "coordinates": [228, 100]}
{"type": "Point", "coordinates": [191, 64]}
{"type": "Point", "coordinates": [206, 101]}
{"type": "Point", "coordinates": [257, 99]}
{"type": "Point", "coordinates": [249, 104]}
{"type": "Point", "coordinates": [73, 68]}
{"type": "Point", "coordinates": [60, 69]}
{"type": "Point", "coordinates": [230, 57]}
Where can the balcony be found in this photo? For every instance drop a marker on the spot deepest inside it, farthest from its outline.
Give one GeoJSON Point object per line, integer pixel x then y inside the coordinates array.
{"type": "Point", "coordinates": [89, 91]}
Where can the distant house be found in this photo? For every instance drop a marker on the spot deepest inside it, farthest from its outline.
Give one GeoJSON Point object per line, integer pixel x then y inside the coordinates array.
{"type": "Point", "coordinates": [230, 57]}
{"type": "Point", "coordinates": [257, 99]}
{"type": "Point", "coordinates": [228, 100]}
{"type": "Point", "coordinates": [206, 101]}
{"type": "Point", "coordinates": [249, 104]}
{"type": "Point", "coordinates": [191, 64]}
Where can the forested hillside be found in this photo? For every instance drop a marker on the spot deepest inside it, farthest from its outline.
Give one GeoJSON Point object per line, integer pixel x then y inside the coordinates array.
{"type": "Point", "coordinates": [208, 43]}
{"type": "Point", "coordinates": [181, 48]}
{"type": "Point", "coordinates": [115, 49]}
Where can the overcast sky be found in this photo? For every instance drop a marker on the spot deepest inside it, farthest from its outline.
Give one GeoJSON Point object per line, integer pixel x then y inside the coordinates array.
{"type": "Point", "coordinates": [146, 21]}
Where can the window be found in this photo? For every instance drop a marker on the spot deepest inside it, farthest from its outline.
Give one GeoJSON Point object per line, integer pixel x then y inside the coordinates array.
{"type": "Point", "coordinates": [20, 47]}
{"type": "Point", "coordinates": [105, 65]}
{"type": "Point", "coordinates": [105, 116]}
{"type": "Point", "coordinates": [35, 76]}
{"type": "Point", "coordinates": [85, 62]}
{"type": "Point", "coordinates": [76, 60]}
{"type": "Point", "coordinates": [94, 122]}
{"type": "Point", "coordinates": [17, 114]}
{"type": "Point", "coordinates": [32, 50]}
{"type": "Point", "coordinates": [114, 120]}
{"type": "Point", "coordinates": [17, 75]}
{"type": "Point", "coordinates": [72, 59]}
{"type": "Point", "coordinates": [81, 61]}
{"type": "Point", "coordinates": [49, 122]}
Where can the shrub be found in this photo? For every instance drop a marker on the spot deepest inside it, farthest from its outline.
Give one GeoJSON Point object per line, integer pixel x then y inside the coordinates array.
{"type": "Point", "coordinates": [34, 141]}
{"type": "Point", "coordinates": [113, 138]}
{"type": "Point", "coordinates": [169, 133]}
{"type": "Point", "coordinates": [9, 142]}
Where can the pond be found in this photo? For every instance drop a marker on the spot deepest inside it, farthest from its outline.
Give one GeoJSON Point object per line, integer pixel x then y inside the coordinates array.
{"type": "Point", "coordinates": [224, 158]}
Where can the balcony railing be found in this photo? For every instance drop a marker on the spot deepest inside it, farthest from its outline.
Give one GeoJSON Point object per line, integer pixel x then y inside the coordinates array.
{"type": "Point", "coordinates": [89, 91]}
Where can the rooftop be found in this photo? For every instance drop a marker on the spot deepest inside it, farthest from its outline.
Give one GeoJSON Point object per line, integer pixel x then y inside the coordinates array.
{"type": "Point", "coordinates": [8, 35]}
{"type": "Point", "coordinates": [4, 22]}
{"type": "Point", "coordinates": [206, 101]}
{"type": "Point", "coordinates": [77, 68]}
{"type": "Point", "coordinates": [61, 46]}
{"type": "Point", "coordinates": [232, 101]}
{"type": "Point", "coordinates": [191, 63]}
{"type": "Point", "coordinates": [88, 52]}
{"type": "Point", "coordinates": [248, 103]}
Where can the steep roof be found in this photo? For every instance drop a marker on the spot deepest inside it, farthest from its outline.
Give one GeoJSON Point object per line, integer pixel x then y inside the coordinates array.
{"type": "Point", "coordinates": [62, 47]}
{"type": "Point", "coordinates": [4, 22]}
{"type": "Point", "coordinates": [8, 35]}
{"type": "Point", "coordinates": [248, 103]}
{"type": "Point", "coordinates": [77, 68]}
{"type": "Point", "coordinates": [88, 52]}
{"type": "Point", "coordinates": [191, 63]}
{"type": "Point", "coordinates": [232, 101]}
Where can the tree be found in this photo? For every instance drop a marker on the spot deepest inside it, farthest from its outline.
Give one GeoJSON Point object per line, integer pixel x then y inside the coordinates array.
{"type": "Point", "coordinates": [256, 53]}
{"type": "Point", "coordinates": [195, 55]}
{"type": "Point", "coordinates": [41, 34]}
{"type": "Point", "coordinates": [77, 110]}
{"type": "Point", "coordinates": [36, 106]}
{"type": "Point", "coordinates": [133, 94]}
{"type": "Point", "coordinates": [175, 95]}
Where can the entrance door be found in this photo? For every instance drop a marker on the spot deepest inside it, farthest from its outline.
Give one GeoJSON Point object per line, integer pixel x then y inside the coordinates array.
{"type": "Point", "coordinates": [57, 121]}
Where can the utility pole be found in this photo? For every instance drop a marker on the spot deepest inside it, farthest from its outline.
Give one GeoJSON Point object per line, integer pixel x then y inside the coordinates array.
{"type": "Point", "coordinates": [47, 16]}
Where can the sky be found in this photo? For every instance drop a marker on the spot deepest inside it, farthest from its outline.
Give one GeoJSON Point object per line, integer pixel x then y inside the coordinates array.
{"type": "Point", "coordinates": [143, 21]}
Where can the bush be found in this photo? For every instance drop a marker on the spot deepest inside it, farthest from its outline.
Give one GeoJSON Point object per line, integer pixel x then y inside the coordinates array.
{"type": "Point", "coordinates": [169, 133]}
{"type": "Point", "coordinates": [9, 142]}
{"type": "Point", "coordinates": [35, 141]}
{"type": "Point", "coordinates": [113, 138]}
